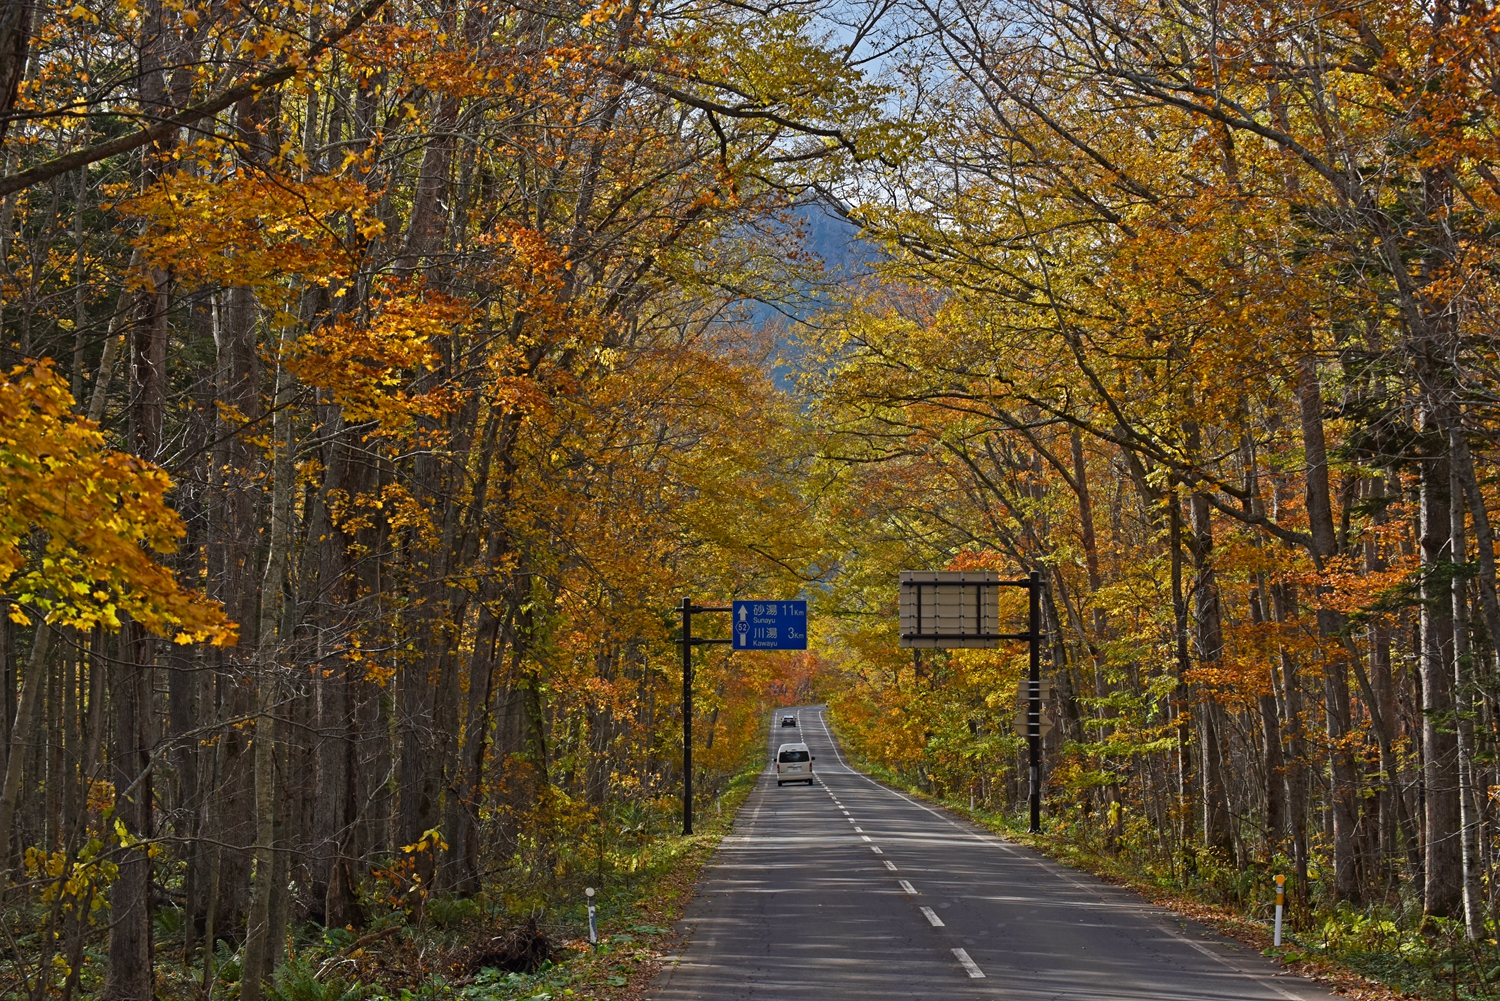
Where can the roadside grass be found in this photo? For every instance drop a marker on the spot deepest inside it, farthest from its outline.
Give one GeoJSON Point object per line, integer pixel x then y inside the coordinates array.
{"type": "Point", "coordinates": [635, 923]}
{"type": "Point", "coordinates": [1370, 954]}
{"type": "Point", "coordinates": [643, 883]}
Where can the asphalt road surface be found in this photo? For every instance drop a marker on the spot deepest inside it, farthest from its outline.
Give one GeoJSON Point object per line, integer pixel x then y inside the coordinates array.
{"type": "Point", "coordinates": [847, 889]}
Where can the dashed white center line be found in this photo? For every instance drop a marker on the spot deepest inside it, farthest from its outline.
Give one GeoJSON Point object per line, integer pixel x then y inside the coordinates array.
{"type": "Point", "coordinates": [907, 886]}
{"type": "Point", "coordinates": [865, 836]}
{"type": "Point", "coordinates": [889, 864]}
{"type": "Point", "coordinates": [859, 830]}
{"type": "Point", "coordinates": [970, 967]}
{"type": "Point", "coordinates": [932, 918]}
{"type": "Point", "coordinates": [875, 848]}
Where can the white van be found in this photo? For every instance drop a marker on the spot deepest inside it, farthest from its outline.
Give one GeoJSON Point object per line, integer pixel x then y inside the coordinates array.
{"type": "Point", "coordinates": [793, 764]}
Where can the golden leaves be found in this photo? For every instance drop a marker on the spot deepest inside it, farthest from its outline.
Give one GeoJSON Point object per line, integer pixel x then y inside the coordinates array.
{"type": "Point", "coordinates": [253, 230]}
{"type": "Point", "coordinates": [376, 366]}
{"type": "Point", "coordinates": [78, 522]}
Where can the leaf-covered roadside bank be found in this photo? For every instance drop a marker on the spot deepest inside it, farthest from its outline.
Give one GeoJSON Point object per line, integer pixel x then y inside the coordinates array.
{"type": "Point", "coordinates": [636, 931]}
{"type": "Point", "coordinates": [1366, 956]}
{"type": "Point", "coordinates": [635, 923]}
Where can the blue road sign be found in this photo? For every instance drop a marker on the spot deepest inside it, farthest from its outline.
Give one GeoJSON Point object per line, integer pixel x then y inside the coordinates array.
{"type": "Point", "coordinates": [770, 625]}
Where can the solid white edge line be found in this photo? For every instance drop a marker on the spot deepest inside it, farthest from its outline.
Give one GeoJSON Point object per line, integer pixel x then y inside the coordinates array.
{"type": "Point", "coordinates": [1236, 968]}
{"type": "Point", "coordinates": [992, 841]}
{"type": "Point", "coordinates": [932, 918]}
{"type": "Point", "coordinates": [1043, 861]}
{"type": "Point", "coordinates": [833, 743]}
{"type": "Point", "coordinates": [970, 967]}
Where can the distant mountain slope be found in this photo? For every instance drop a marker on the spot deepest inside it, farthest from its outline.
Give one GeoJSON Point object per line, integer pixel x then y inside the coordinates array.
{"type": "Point", "coordinates": [845, 257]}
{"type": "Point", "coordinates": [837, 243]}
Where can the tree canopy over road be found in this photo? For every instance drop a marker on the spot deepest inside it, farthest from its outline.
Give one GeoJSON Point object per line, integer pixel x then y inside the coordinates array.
{"type": "Point", "coordinates": [377, 379]}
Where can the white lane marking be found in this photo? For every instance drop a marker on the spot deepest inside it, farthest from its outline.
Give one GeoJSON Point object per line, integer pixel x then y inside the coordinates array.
{"type": "Point", "coordinates": [865, 836]}
{"type": "Point", "coordinates": [1161, 921]}
{"type": "Point", "coordinates": [932, 918]}
{"type": "Point", "coordinates": [970, 967]}
{"type": "Point", "coordinates": [993, 842]}
{"type": "Point", "coordinates": [859, 830]}
{"type": "Point", "coordinates": [889, 864]}
{"type": "Point", "coordinates": [1008, 848]}
{"type": "Point", "coordinates": [906, 886]}
{"type": "Point", "coordinates": [1043, 863]}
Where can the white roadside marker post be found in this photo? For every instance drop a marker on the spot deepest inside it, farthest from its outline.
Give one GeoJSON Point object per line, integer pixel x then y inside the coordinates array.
{"type": "Point", "coordinates": [594, 929]}
{"type": "Point", "coordinates": [1280, 901]}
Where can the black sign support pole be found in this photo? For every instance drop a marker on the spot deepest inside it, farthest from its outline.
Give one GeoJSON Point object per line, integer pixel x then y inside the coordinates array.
{"type": "Point", "coordinates": [688, 642]}
{"type": "Point", "coordinates": [1034, 701]}
{"type": "Point", "coordinates": [687, 716]}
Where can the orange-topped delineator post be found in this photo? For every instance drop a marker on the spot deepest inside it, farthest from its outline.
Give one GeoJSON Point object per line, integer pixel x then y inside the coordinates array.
{"type": "Point", "coordinates": [1280, 902]}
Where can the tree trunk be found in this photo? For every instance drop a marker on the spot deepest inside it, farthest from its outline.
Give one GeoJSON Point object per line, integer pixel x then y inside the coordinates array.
{"type": "Point", "coordinates": [1182, 698]}
{"type": "Point", "coordinates": [1443, 864]}
{"type": "Point", "coordinates": [21, 730]}
{"type": "Point", "coordinates": [15, 48]}
{"type": "Point", "coordinates": [1473, 895]}
{"type": "Point", "coordinates": [131, 971]}
{"type": "Point", "coordinates": [1297, 780]}
{"type": "Point", "coordinates": [1208, 634]}
{"type": "Point", "coordinates": [267, 910]}
{"type": "Point", "coordinates": [1344, 774]}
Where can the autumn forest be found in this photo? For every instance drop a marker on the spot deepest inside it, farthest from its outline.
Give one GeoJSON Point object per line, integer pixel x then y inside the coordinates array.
{"type": "Point", "coordinates": [376, 379]}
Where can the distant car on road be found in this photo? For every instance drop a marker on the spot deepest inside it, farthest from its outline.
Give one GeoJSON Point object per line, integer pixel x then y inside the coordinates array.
{"type": "Point", "coordinates": [788, 720]}
{"type": "Point", "coordinates": [794, 764]}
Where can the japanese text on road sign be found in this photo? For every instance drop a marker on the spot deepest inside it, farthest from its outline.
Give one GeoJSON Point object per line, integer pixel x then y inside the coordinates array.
{"type": "Point", "coordinates": [770, 625]}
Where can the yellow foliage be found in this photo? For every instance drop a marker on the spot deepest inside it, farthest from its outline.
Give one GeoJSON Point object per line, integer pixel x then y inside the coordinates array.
{"type": "Point", "coordinates": [79, 523]}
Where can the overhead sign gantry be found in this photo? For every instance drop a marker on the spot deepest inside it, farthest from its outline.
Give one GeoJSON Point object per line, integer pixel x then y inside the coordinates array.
{"type": "Point", "coordinates": [960, 609]}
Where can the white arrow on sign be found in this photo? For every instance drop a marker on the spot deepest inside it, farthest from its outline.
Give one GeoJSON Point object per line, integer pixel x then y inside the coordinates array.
{"type": "Point", "coordinates": [742, 613]}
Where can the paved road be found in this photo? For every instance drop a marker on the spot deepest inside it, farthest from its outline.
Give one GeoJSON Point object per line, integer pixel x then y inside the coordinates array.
{"type": "Point", "coordinates": [848, 889]}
